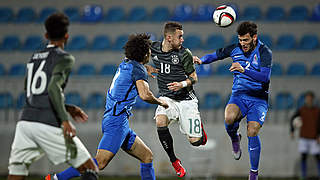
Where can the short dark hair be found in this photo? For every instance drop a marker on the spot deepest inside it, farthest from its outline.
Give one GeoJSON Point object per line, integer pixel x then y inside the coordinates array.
{"type": "Point", "coordinates": [309, 93]}
{"type": "Point", "coordinates": [137, 46]}
{"type": "Point", "coordinates": [171, 27]}
{"type": "Point", "coordinates": [57, 26]}
{"type": "Point", "coordinates": [247, 27]}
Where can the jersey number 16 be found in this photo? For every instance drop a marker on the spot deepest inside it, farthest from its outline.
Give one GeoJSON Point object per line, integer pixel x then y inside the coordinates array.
{"type": "Point", "coordinates": [32, 79]}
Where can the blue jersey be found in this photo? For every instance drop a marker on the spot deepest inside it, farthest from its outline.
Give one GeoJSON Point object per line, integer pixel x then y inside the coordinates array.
{"type": "Point", "coordinates": [123, 91]}
{"type": "Point", "coordinates": [257, 64]}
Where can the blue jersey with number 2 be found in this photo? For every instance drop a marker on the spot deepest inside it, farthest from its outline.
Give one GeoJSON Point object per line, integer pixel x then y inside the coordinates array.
{"type": "Point", "coordinates": [257, 64]}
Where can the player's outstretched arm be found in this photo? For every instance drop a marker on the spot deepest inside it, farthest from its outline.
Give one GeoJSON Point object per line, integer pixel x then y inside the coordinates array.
{"type": "Point", "coordinates": [196, 60]}
{"type": "Point", "coordinates": [77, 114]}
{"type": "Point", "coordinates": [151, 70]}
{"type": "Point", "coordinates": [146, 95]}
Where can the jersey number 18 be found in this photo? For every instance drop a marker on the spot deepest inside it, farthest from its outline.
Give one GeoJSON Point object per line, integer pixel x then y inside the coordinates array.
{"type": "Point", "coordinates": [164, 68]}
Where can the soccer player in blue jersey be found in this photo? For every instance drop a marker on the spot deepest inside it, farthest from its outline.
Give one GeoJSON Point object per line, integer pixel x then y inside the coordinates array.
{"type": "Point", "coordinates": [130, 80]}
{"type": "Point", "coordinates": [251, 68]}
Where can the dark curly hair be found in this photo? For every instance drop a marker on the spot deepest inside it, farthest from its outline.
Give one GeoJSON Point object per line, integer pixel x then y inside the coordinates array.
{"type": "Point", "coordinates": [247, 27]}
{"type": "Point", "coordinates": [57, 26]}
{"type": "Point", "coordinates": [137, 46]}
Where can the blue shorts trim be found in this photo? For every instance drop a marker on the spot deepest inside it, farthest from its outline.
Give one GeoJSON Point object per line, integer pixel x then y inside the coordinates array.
{"type": "Point", "coordinates": [254, 109]}
{"type": "Point", "coordinates": [116, 135]}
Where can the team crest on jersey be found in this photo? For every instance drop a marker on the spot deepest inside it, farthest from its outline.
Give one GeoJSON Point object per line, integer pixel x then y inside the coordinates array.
{"type": "Point", "coordinates": [174, 59]}
{"type": "Point", "coordinates": [255, 60]}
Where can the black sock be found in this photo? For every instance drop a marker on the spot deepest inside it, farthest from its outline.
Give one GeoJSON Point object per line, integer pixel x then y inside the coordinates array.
{"type": "Point", "coordinates": [89, 175]}
{"type": "Point", "coordinates": [167, 142]}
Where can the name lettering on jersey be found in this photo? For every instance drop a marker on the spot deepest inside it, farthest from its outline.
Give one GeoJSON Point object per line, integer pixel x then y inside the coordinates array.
{"type": "Point", "coordinates": [40, 55]}
{"type": "Point", "coordinates": [255, 59]}
{"type": "Point", "coordinates": [175, 59]}
{"type": "Point", "coordinates": [155, 57]}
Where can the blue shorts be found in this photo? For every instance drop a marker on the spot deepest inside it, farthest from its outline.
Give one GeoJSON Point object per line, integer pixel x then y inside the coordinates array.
{"type": "Point", "coordinates": [116, 134]}
{"type": "Point", "coordinates": [255, 109]}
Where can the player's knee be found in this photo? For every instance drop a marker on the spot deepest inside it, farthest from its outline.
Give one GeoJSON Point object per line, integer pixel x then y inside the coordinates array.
{"type": "Point", "coordinates": [230, 118]}
{"type": "Point", "coordinates": [251, 132]}
{"type": "Point", "coordinates": [102, 162]}
{"type": "Point", "coordinates": [195, 141]}
{"type": "Point", "coordinates": [148, 157]}
{"type": "Point", "coordinates": [89, 175]}
{"type": "Point", "coordinates": [161, 120]}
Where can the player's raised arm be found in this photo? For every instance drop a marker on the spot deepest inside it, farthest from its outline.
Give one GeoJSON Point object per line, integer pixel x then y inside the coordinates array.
{"type": "Point", "coordinates": [151, 70]}
{"type": "Point", "coordinates": [59, 75]}
{"type": "Point", "coordinates": [146, 95]}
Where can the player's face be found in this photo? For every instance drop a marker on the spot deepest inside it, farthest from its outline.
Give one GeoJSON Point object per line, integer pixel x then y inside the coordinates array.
{"type": "Point", "coordinates": [247, 42]}
{"type": "Point", "coordinates": [309, 100]}
{"type": "Point", "coordinates": [147, 57]}
{"type": "Point", "coordinates": [176, 39]}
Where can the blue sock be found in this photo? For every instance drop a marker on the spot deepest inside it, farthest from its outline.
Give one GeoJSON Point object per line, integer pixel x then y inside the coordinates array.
{"type": "Point", "coordinates": [147, 171]}
{"type": "Point", "coordinates": [232, 129]}
{"type": "Point", "coordinates": [304, 168]}
{"type": "Point", "coordinates": [254, 148]}
{"type": "Point", "coordinates": [69, 173]}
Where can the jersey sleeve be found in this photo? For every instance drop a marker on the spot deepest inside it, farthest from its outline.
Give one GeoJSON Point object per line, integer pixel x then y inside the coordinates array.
{"type": "Point", "coordinates": [139, 73]}
{"type": "Point", "coordinates": [59, 76]}
{"type": "Point", "coordinates": [225, 52]}
{"type": "Point", "coordinates": [187, 61]}
{"type": "Point", "coordinates": [266, 57]}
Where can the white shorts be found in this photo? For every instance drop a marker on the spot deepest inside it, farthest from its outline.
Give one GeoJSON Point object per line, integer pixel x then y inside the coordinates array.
{"type": "Point", "coordinates": [185, 112]}
{"type": "Point", "coordinates": [33, 139]}
{"type": "Point", "coordinates": [309, 146]}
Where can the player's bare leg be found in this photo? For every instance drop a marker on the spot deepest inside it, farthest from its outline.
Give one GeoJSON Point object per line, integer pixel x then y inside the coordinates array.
{"type": "Point", "coordinates": [143, 153]}
{"type": "Point", "coordinates": [254, 147]}
{"type": "Point", "coordinates": [232, 117]}
{"type": "Point", "coordinates": [103, 158]}
{"type": "Point", "coordinates": [166, 140]}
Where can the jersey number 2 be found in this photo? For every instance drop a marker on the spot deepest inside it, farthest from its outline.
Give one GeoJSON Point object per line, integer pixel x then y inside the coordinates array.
{"type": "Point", "coordinates": [32, 79]}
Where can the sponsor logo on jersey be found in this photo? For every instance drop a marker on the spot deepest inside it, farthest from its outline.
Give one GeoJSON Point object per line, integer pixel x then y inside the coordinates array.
{"type": "Point", "coordinates": [255, 60]}
{"type": "Point", "coordinates": [174, 59]}
{"type": "Point", "coordinates": [155, 57]}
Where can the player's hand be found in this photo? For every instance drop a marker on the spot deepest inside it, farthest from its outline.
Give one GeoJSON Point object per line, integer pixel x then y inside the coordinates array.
{"type": "Point", "coordinates": [164, 103]}
{"type": "Point", "coordinates": [77, 114]}
{"type": "Point", "coordinates": [236, 67]}
{"type": "Point", "coordinates": [175, 86]}
{"type": "Point", "coordinates": [196, 60]}
{"type": "Point", "coordinates": [151, 70]}
{"type": "Point", "coordinates": [69, 131]}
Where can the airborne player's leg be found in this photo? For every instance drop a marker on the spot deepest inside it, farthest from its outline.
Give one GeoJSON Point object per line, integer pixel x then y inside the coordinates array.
{"type": "Point", "coordinates": [255, 119]}
{"type": "Point", "coordinates": [190, 122]}
{"type": "Point", "coordinates": [163, 117]}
